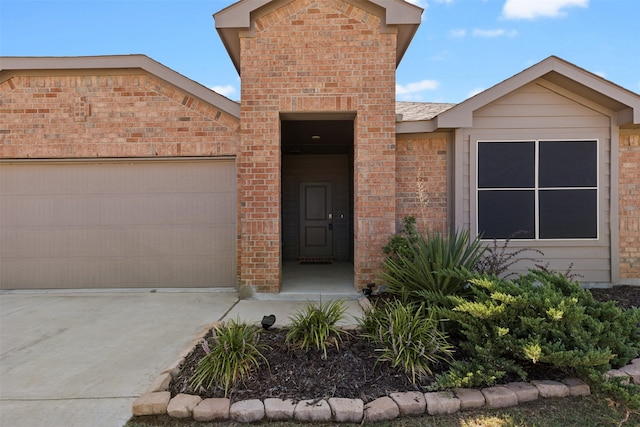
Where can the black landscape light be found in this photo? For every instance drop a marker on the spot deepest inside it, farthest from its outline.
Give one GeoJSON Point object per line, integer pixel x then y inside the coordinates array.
{"type": "Point", "coordinates": [268, 321]}
{"type": "Point", "coordinates": [368, 291]}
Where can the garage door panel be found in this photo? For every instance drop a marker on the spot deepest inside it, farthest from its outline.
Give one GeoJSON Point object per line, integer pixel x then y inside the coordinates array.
{"type": "Point", "coordinates": [82, 242]}
{"type": "Point", "coordinates": [121, 272]}
{"type": "Point", "coordinates": [173, 226]}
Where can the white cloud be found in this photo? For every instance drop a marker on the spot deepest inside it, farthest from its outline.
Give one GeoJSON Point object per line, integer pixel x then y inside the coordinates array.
{"type": "Point", "coordinates": [498, 32]}
{"type": "Point", "coordinates": [475, 91]}
{"type": "Point", "coordinates": [421, 3]}
{"type": "Point", "coordinates": [531, 9]}
{"type": "Point", "coordinates": [417, 87]}
{"type": "Point", "coordinates": [458, 33]}
{"type": "Point", "coordinates": [601, 74]}
{"type": "Point", "coordinates": [227, 90]}
{"type": "Point", "coordinates": [411, 91]}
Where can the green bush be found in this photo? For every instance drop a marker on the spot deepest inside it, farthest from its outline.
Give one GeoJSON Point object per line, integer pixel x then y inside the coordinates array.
{"type": "Point", "coordinates": [412, 271]}
{"type": "Point", "coordinates": [401, 243]}
{"type": "Point", "coordinates": [406, 337]}
{"type": "Point", "coordinates": [234, 353]}
{"type": "Point", "coordinates": [315, 326]}
{"type": "Point", "coordinates": [543, 318]}
{"type": "Point", "coordinates": [475, 373]}
{"type": "Point", "coordinates": [627, 394]}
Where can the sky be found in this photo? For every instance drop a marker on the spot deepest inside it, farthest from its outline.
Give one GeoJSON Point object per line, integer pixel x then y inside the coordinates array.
{"type": "Point", "coordinates": [461, 48]}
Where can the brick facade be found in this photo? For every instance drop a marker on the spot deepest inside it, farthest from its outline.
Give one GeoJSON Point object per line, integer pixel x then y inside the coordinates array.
{"type": "Point", "coordinates": [108, 114]}
{"type": "Point", "coordinates": [298, 59]}
{"type": "Point", "coordinates": [421, 180]}
{"type": "Point", "coordinates": [310, 57]}
{"type": "Point", "coordinates": [629, 204]}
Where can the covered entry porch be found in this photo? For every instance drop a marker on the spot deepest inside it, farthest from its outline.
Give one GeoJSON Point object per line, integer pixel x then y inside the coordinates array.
{"type": "Point", "coordinates": [317, 204]}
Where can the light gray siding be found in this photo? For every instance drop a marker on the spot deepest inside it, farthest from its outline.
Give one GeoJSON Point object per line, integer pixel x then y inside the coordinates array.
{"type": "Point", "coordinates": [539, 111]}
{"type": "Point", "coordinates": [117, 224]}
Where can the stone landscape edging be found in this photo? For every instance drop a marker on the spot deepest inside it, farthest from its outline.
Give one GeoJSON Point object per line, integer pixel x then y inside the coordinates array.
{"type": "Point", "coordinates": [157, 400]}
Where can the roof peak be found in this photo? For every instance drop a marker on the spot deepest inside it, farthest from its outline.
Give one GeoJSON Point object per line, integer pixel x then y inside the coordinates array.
{"type": "Point", "coordinates": [404, 17]}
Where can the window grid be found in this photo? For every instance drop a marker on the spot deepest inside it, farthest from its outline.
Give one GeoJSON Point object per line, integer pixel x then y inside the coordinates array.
{"type": "Point", "coordinates": [536, 189]}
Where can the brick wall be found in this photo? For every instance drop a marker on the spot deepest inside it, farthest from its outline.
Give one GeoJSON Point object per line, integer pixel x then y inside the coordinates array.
{"type": "Point", "coordinates": [421, 180]}
{"type": "Point", "coordinates": [103, 113]}
{"type": "Point", "coordinates": [629, 204]}
{"type": "Point", "coordinates": [310, 56]}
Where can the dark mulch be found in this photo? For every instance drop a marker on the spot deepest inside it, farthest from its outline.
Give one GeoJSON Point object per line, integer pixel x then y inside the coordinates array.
{"type": "Point", "coordinates": [349, 371]}
{"type": "Point", "coordinates": [624, 296]}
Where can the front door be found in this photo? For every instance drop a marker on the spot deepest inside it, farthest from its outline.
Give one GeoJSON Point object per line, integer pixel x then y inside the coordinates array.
{"type": "Point", "coordinates": [316, 219]}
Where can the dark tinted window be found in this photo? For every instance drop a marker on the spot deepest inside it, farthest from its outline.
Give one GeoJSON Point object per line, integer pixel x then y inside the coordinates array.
{"type": "Point", "coordinates": [568, 164]}
{"type": "Point", "coordinates": [570, 211]}
{"type": "Point", "coordinates": [506, 213]}
{"type": "Point", "coordinates": [506, 164]}
{"type": "Point", "coordinates": [568, 214]}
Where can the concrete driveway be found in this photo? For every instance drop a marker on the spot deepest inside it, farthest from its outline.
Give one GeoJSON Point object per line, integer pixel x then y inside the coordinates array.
{"type": "Point", "coordinates": [81, 358]}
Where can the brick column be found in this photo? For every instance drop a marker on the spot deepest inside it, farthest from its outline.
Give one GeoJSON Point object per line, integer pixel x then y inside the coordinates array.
{"type": "Point", "coordinates": [258, 165]}
{"type": "Point", "coordinates": [629, 205]}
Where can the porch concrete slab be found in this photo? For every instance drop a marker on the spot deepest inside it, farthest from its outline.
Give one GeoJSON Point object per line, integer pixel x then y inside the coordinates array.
{"type": "Point", "coordinates": [253, 310]}
{"type": "Point", "coordinates": [81, 358]}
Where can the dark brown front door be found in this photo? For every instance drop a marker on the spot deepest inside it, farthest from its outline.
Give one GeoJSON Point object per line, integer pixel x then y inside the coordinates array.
{"type": "Point", "coordinates": [316, 219]}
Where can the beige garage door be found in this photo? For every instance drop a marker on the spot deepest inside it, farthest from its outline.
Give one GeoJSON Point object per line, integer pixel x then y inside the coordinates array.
{"type": "Point", "coordinates": [117, 224]}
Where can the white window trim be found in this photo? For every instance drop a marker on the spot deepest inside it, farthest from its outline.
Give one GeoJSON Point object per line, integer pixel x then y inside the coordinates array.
{"type": "Point", "coordinates": [536, 187]}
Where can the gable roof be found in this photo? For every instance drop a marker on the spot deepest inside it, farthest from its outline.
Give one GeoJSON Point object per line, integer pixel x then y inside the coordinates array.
{"type": "Point", "coordinates": [240, 16]}
{"type": "Point", "coordinates": [625, 103]}
{"type": "Point", "coordinates": [143, 62]}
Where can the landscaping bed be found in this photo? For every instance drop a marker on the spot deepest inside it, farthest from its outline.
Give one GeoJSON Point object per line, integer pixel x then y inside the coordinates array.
{"type": "Point", "coordinates": [349, 371]}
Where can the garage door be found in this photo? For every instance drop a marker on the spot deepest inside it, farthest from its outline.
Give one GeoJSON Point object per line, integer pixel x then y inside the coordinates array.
{"type": "Point", "coordinates": [117, 224]}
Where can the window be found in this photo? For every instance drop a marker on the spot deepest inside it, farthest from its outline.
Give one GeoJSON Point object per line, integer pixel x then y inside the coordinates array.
{"type": "Point", "coordinates": [538, 189]}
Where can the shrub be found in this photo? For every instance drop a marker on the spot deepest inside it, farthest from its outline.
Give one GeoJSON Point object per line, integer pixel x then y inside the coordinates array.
{"type": "Point", "coordinates": [406, 337]}
{"type": "Point", "coordinates": [234, 353]}
{"type": "Point", "coordinates": [544, 318]}
{"type": "Point", "coordinates": [315, 326]}
{"type": "Point", "coordinates": [412, 271]}
{"type": "Point", "coordinates": [625, 393]}
{"type": "Point", "coordinates": [401, 243]}
{"type": "Point", "coordinates": [475, 373]}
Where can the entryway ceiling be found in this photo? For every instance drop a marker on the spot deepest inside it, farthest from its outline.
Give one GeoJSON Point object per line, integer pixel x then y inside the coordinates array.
{"type": "Point", "coordinates": [317, 136]}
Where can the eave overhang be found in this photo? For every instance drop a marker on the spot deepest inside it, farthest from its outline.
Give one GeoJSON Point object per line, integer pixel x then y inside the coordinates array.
{"type": "Point", "coordinates": [624, 103]}
{"type": "Point", "coordinates": [124, 62]}
{"type": "Point", "coordinates": [396, 15]}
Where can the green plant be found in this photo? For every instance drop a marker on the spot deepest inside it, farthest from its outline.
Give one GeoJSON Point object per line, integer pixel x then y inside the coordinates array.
{"type": "Point", "coordinates": [618, 389]}
{"type": "Point", "coordinates": [543, 318]}
{"type": "Point", "coordinates": [472, 373]}
{"type": "Point", "coordinates": [407, 337]}
{"type": "Point", "coordinates": [315, 326]}
{"type": "Point", "coordinates": [413, 273]}
{"type": "Point", "coordinates": [401, 243]}
{"type": "Point", "coordinates": [234, 353]}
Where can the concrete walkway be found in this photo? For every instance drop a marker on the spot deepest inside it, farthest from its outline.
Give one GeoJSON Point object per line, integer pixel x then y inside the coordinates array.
{"type": "Point", "coordinates": [81, 358]}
